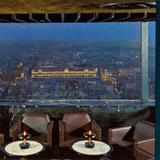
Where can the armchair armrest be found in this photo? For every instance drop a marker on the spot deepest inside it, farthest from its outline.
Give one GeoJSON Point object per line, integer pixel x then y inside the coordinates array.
{"type": "Point", "coordinates": [116, 134]}
{"type": "Point", "coordinates": [97, 129]}
{"type": "Point", "coordinates": [61, 131]}
{"type": "Point", "coordinates": [151, 140]}
{"type": "Point", "coordinates": [147, 145]}
{"type": "Point", "coordinates": [15, 130]}
{"type": "Point", "coordinates": [49, 133]}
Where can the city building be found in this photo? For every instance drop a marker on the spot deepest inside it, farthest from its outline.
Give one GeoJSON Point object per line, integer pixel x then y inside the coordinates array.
{"type": "Point", "coordinates": [66, 73]}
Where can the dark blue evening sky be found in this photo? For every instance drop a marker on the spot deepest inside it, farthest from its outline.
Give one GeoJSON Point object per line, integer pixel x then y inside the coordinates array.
{"type": "Point", "coordinates": [71, 31]}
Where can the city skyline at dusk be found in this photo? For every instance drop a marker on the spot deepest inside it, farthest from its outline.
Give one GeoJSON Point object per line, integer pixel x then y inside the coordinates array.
{"type": "Point", "coordinates": [55, 61]}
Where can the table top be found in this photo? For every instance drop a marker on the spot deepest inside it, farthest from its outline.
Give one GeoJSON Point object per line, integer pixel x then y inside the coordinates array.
{"type": "Point", "coordinates": [100, 148]}
{"type": "Point", "coordinates": [13, 148]}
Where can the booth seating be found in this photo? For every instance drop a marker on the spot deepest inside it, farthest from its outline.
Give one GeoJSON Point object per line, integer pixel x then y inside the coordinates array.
{"type": "Point", "coordinates": [143, 132]}
{"type": "Point", "coordinates": [73, 125]}
{"type": "Point", "coordinates": [38, 125]}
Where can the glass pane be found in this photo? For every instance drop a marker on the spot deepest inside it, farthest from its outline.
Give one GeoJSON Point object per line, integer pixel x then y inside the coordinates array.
{"type": "Point", "coordinates": [70, 61]}
{"type": "Point", "coordinates": [152, 32]}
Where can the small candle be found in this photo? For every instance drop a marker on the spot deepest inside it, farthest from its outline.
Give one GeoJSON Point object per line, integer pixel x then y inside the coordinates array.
{"type": "Point", "coordinates": [24, 137]}
{"type": "Point", "coordinates": [89, 133]}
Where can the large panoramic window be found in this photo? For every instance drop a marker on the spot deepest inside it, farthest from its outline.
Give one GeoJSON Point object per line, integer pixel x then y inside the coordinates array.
{"type": "Point", "coordinates": [71, 62]}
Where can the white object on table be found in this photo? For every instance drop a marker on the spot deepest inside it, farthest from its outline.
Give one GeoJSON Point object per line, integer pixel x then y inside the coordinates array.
{"type": "Point", "coordinates": [14, 149]}
{"type": "Point", "coordinates": [100, 148]}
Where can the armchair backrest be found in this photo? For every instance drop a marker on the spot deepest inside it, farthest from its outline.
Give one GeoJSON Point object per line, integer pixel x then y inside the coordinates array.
{"type": "Point", "coordinates": [144, 130]}
{"type": "Point", "coordinates": [75, 120]}
{"type": "Point", "coordinates": [36, 121]}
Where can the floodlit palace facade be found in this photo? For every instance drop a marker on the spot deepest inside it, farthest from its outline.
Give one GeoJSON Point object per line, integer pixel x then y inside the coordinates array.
{"type": "Point", "coordinates": [86, 73]}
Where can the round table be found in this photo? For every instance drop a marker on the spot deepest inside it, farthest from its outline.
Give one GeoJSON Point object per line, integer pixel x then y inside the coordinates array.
{"type": "Point", "coordinates": [13, 148]}
{"type": "Point", "coordinates": [99, 149]}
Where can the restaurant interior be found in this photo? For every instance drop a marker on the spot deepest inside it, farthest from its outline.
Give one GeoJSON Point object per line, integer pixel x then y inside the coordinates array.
{"type": "Point", "coordinates": [88, 99]}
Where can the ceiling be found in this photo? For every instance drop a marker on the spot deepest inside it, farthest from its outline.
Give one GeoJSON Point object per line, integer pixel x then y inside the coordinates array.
{"type": "Point", "coordinates": [77, 10]}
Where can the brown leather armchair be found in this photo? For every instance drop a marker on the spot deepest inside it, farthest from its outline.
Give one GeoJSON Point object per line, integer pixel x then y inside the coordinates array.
{"type": "Point", "coordinates": [143, 130]}
{"type": "Point", "coordinates": [37, 124]}
{"type": "Point", "coordinates": [5, 117]}
{"type": "Point", "coordinates": [74, 121]}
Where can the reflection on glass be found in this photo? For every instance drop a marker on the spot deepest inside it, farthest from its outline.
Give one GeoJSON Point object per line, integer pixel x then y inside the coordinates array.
{"type": "Point", "coordinates": [152, 60]}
